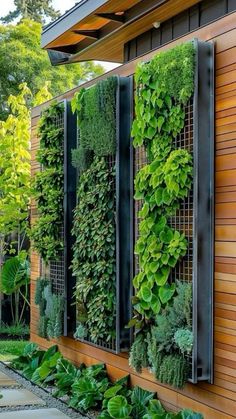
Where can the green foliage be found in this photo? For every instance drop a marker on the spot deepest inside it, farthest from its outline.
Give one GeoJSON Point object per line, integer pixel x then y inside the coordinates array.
{"type": "Point", "coordinates": [65, 376]}
{"type": "Point", "coordinates": [17, 330]}
{"type": "Point", "coordinates": [15, 273]}
{"type": "Point", "coordinates": [48, 185]}
{"type": "Point", "coordinates": [94, 251]}
{"type": "Point", "coordinates": [55, 311]}
{"type": "Point", "coordinates": [15, 164]}
{"type": "Point", "coordinates": [81, 332]}
{"type": "Point", "coordinates": [33, 9]}
{"type": "Point", "coordinates": [20, 44]}
{"type": "Point", "coordinates": [171, 333]}
{"type": "Point", "coordinates": [82, 158]}
{"type": "Point", "coordinates": [184, 340]}
{"type": "Point", "coordinates": [96, 110]}
{"type": "Point", "coordinates": [138, 357]}
{"type": "Point", "coordinates": [51, 309]}
{"type": "Point", "coordinates": [174, 370]}
{"type": "Point", "coordinates": [10, 349]}
{"type": "Point", "coordinates": [164, 86]}
{"type": "Point", "coordinates": [90, 387]}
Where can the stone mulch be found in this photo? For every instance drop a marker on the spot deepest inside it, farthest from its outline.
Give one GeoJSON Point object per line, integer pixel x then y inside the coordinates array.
{"type": "Point", "coordinates": [23, 399]}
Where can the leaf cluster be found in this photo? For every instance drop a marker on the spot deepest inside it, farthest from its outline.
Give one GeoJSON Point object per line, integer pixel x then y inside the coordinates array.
{"type": "Point", "coordinates": [48, 185]}
{"type": "Point", "coordinates": [164, 86]}
{"type": "Point", "coordinates": [94, 251]}
{"type": "Point", "coordinates": [96, 110]}
{"type": "Point", "coordinates": [89, 387]}
{"type": "Point", "coordinates": [51, 309]}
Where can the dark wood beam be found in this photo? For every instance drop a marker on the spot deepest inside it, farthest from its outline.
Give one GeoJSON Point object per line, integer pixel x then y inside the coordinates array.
{"type": "Point", "coordinates": [112, 16]}
{"type": "Point", "coordinates": [93, 34]}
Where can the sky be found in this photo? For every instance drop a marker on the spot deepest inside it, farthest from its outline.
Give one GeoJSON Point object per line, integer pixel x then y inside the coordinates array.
{"type": "Point", "coordinates": [62, 5]}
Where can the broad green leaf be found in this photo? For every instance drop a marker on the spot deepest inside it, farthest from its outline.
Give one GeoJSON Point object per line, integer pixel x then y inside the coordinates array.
{"type": "Point", "coordinates": [119, 408]}
{"type": "Point", "coordinates": [145, 293]}
{"type": "Point", "coordinates": [166, 292]}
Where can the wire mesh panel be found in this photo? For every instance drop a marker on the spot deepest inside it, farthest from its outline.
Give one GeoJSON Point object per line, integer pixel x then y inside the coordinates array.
{"type": "Point", "coordinates": [57, 267]}
{"type": "Point", "coordinates": [58, 270]}
{"type": "Point", "coordinates": [195, 217]}
{"type": "Point", "coordinates": [121, 189]}
{"type": "Point", "coordinates": [183, 219]}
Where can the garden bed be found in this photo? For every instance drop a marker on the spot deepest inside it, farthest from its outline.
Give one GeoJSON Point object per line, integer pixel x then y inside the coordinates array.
{"type": "Point", "coordinates": [87, 391]}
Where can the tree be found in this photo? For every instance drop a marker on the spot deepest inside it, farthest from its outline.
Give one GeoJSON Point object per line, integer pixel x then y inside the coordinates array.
{"type": "Point", "coordinates": [15, 163]}
{"type": "Point", "coordinates": [15, 192]}
{"type": "Point", "coordinates": [36, 10]}
{"type": "Point", "coordinates": [23, 61]}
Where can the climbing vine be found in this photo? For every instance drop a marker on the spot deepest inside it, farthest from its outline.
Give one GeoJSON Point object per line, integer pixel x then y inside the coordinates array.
{"type": "Point", "coordinates": [164, 85]}
{"type": "Point", "coordinates": [48, 185]}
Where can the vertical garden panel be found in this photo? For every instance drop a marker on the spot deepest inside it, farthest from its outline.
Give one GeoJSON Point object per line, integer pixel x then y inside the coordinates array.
{"type": "Point", "coordinates": [195, 216]}
{"type": "Point", "coordinates": [118, 165]}
{"type": "Point", "coordinates": [58, 271]}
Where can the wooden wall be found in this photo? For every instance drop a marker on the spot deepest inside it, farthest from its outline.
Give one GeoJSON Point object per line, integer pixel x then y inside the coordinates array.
{"type": "Point", "coordinates": [216, 401]}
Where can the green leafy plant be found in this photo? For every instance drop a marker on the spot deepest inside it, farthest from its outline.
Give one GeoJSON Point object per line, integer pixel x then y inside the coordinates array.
{"type": "Point", "coordinates": [18, 330]}
{"type": "Point", "coordinates": [138, 356]}
{"type": "Point", "coordinates": [14, 281]}
{"type": "Point", "coordinates": [90, 387]}
{"type": "Point", "coordinates": [174, 321]}
{"type": "Point", "coordinates": [48, 186]}
{"type": "Point", "coordinates": [94, 251]}
{"type": "Point", "coordinates": [81, 332]}
{"type": "Point", "coordinates": [164, 85]}
{"type": "Point", "coordinates": [81, 158]}
{"type": "Point", "coordinates": [184, 340]}
{"type": "Point", "coordinates": [96, 110]}
{"type": "Point", "coordinates": [174, 370]}
{"type": "Point", "coordinates": [51, 309]}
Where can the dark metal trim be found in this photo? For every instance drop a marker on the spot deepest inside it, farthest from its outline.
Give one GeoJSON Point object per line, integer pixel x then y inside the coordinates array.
{"type": "Point", "coordinates": [124, 203]}
{"type": "Point", "coordinates": [203, 222]}
{"type": "Point", "coordinates": [123, 212]}
{"type": "Point", "coordinates": [69, 205]}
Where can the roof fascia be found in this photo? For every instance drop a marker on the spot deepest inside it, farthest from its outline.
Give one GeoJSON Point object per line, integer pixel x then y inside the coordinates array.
{"type": "Point", "coordinates": [69, 19]}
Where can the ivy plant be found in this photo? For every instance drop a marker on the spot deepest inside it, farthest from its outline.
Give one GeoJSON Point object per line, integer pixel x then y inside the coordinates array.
{"type": "Point", "coordinates": [164, 86]}
{"type": "Point", "coordinates": [94, 252]}
{"type": "Point", "coordinates": [48, 185]}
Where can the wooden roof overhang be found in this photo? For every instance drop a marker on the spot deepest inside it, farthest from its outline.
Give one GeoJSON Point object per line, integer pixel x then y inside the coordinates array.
{"type": "Point", "coordinates": [98, 29]}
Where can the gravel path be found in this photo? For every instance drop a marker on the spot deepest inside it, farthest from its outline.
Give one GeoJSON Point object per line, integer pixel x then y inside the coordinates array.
{"type": "Point", "coordinates": [47, 400]}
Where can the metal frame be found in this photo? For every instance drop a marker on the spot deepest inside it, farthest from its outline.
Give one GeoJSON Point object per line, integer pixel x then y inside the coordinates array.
{"type": "Point", "coordinates": [124, 198]}
{"type": "Point", "coordinates": [203, 215]}
{"type": "Point", "coordinates": [203, 223]}
{"type": "Point", "coordinates": [69, 204]}
{"type": "Point", "coordinates": [123, 209]}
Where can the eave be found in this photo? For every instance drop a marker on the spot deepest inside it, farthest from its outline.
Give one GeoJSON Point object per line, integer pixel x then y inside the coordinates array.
{"type": "Point", "coordinates": [98, 29]}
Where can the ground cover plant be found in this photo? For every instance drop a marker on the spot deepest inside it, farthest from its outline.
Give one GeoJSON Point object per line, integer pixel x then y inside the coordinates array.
{"type": "Point", "coordinates": [90, 387]}
{"type": "Point", "coordinates": [93, 262]}
{"type": "Point", "coordinates": [163, 329]}
{"type": "Point", "coordinates": [11, 349]}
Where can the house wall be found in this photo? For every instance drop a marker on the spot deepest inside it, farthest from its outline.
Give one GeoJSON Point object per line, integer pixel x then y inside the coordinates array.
{"type": "Point", "coordinates": [216, 401]}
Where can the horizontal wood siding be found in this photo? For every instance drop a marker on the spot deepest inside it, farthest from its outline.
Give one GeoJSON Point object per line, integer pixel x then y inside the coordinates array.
{"type": "Point", "coordinates": [216, 401]}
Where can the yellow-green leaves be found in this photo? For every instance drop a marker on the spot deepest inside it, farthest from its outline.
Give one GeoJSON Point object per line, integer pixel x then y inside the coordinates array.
{"type": "Point", "coordinates": [163, 87]}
